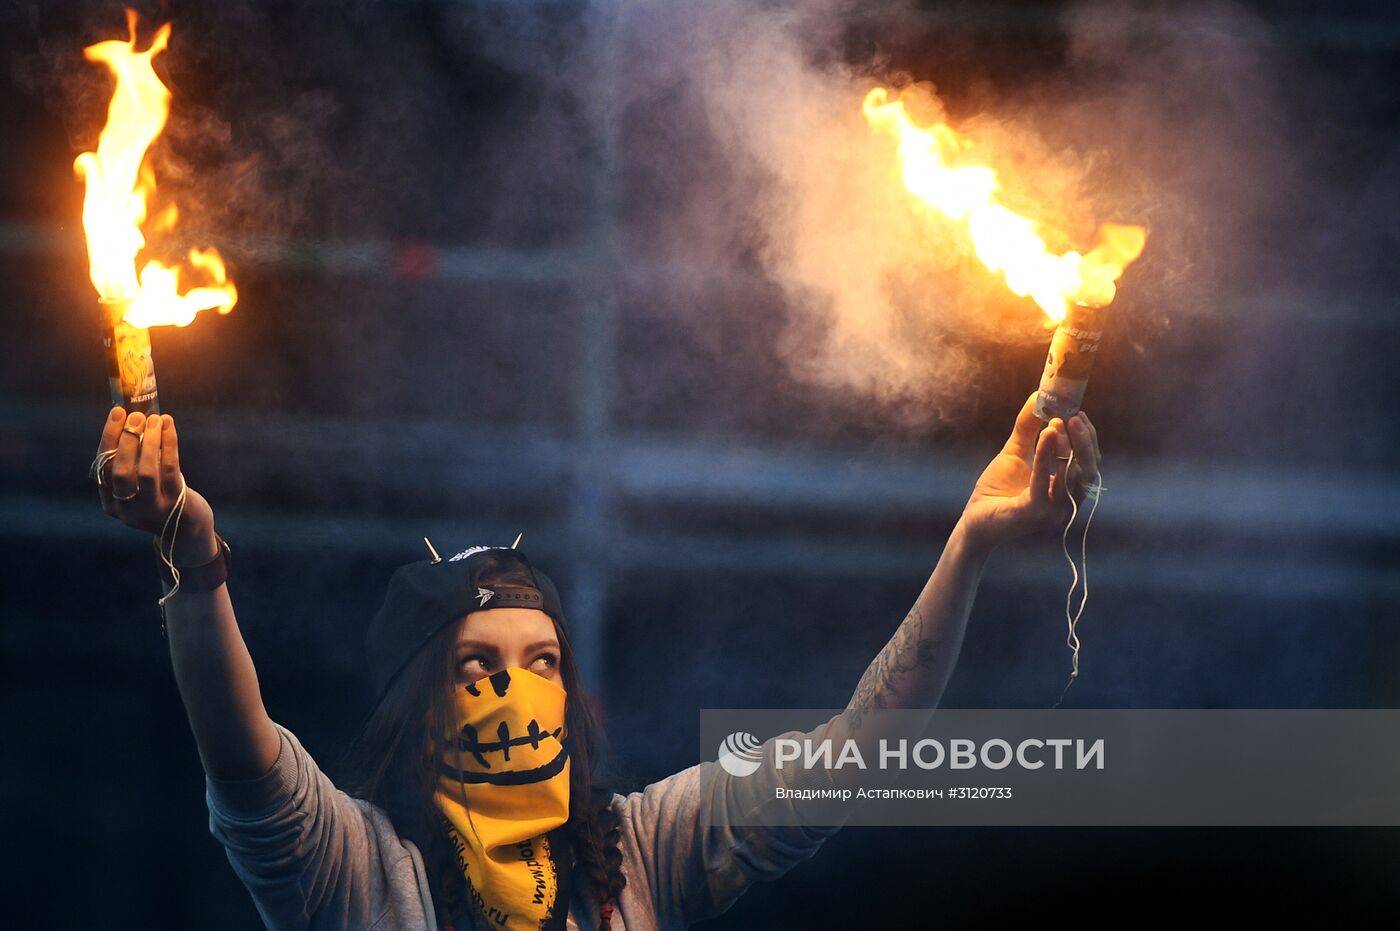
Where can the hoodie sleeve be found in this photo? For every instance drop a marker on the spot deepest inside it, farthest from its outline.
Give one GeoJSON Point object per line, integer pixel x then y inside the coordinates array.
{"type": "Point", "coordinates": [306, 851]}
{"type": "Point", "coordinates": [705, 835]}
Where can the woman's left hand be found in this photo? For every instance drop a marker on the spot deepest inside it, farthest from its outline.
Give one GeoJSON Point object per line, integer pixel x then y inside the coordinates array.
{"type": "Point", "coordinates": [1027, 487]}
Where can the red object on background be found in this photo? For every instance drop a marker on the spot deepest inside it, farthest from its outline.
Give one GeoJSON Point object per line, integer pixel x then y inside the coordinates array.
{"type": "Point", "coordinates": [415, 260]}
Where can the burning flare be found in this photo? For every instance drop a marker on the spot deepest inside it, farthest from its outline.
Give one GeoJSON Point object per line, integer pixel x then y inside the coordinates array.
{"type": "Point", "coordinates": [1004, 241]}
{"type": "Point", "coordinates": [120, 184]}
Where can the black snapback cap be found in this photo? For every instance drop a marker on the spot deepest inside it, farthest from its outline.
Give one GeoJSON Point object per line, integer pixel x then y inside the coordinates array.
{"type": "Point", "coordinates": [424, 597]}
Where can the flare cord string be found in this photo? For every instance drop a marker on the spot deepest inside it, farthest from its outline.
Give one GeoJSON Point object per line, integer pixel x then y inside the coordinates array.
{"type": "Point", "coordinates": [1079, 572]}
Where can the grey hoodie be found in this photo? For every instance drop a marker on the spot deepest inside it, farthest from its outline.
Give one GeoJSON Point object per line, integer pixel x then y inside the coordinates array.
{"type": "Point", "coordinates": [314, 858]}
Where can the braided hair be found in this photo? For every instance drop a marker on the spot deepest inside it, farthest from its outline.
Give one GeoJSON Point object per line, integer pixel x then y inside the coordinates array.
{"type": "Point", "coordinates": [390, 764]}
{"type": "Point", "coordinates": [594, 825]}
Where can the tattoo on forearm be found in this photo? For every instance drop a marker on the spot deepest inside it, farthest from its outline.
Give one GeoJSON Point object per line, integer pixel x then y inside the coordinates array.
{"type": "Point", "coordinates": [890, 674]}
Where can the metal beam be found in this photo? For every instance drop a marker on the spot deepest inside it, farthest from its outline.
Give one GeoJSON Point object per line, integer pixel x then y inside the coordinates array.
{"type": "Point", "coordinates": [1130, 569]}
{"type": "Point", "coordinates": [590, 506]}
{"type": "Point", "coordinates": [580, 265]}
{"type": "Point", "coordinates": [1151, 496]}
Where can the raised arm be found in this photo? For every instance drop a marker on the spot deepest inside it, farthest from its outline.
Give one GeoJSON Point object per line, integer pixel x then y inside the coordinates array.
{"type": "Point", "coordinates": [218, 684]}
{"type": "Point", "coordinates": [312, 858]}
{"type": "Point", "coordinates": [1026, 488]}
{"type": "Point", "coordinates": [706, 835]}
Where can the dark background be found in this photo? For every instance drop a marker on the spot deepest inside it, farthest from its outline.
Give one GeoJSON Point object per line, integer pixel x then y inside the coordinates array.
{"type": "Point", "coordinates": [469, 306]}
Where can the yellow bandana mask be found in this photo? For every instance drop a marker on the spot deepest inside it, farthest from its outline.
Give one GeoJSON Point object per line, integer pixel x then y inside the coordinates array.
{"type": "Point", "coordinates": [503, 786]}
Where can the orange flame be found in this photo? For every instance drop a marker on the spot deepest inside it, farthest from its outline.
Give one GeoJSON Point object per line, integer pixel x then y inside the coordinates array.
{"type": "Point", "coordinates": [1004, 241]}
{"type": "Point", "coordinates": [120, 183]}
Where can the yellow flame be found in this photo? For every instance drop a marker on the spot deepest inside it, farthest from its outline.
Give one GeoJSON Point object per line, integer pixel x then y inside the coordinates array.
{"type": "Point", "coordinates": [1003, 240]}
{"type": "Point", "coordinates": [120, 184]}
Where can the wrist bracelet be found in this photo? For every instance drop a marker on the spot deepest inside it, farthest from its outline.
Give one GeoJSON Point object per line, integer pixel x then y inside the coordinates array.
{"type": "Point", "coordinates": [201, 578]}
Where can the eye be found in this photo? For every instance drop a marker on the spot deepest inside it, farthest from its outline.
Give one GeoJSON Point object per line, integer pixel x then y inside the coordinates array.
{"type": "Point", "coordinates": [474, 665]}
{"type": "Point", "coordinates": [546, 661]}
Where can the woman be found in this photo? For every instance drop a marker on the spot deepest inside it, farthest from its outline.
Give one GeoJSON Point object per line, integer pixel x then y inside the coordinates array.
{"type": "Point", "coordinates": [477, 800]}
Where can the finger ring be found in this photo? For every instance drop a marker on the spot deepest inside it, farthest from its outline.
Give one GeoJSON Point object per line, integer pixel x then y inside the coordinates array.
{"type": "Point", "coordinates": [1064, 458]}
{"type": "Point", "coordinates": [127, 497]}
{"type": "Point", "coordinates": [136, 433]}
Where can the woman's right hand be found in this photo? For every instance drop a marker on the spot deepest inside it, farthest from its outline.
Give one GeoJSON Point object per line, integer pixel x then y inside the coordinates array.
{"type": "Point", "coordinates": [140, 486]}
{"type": "Point", "coordinates": [141, 483]}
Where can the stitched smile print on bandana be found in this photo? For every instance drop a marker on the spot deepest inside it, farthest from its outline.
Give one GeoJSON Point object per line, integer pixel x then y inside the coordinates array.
{"type": "Point", "coordinates": [503, 786]}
